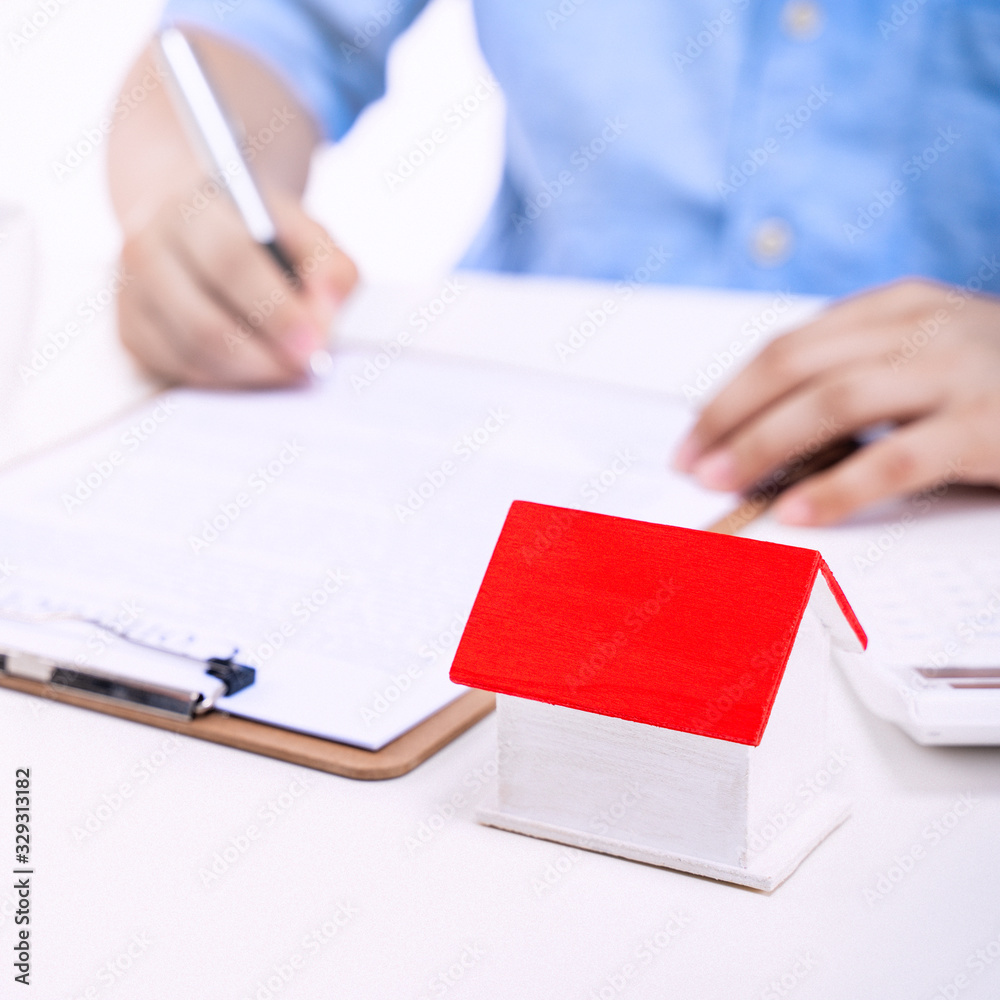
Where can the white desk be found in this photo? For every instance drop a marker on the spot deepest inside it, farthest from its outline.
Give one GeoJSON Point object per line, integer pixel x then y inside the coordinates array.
{"type": "Point", "coordinates": [207, 869]}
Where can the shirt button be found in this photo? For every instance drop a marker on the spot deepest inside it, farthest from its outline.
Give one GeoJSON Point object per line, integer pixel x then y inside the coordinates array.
{"type": "Point", "coordinates": [802, 20]}
{"type": "Point", "coordinates": [771, 242]}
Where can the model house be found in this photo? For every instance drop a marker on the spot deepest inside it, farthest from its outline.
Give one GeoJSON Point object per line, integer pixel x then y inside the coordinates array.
{"type": "Point", "coordinates": [661, 691]}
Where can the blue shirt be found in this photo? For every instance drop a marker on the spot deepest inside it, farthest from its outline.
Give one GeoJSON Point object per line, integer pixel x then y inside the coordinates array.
{"type": "Point", "coordinates": [816, 148]}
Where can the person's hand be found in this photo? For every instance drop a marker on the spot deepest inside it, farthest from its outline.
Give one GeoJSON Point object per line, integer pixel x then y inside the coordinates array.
{"type": "Point", "coordinates": [921, 355]}
{"type": "Point", "coordinates": [201, 303]}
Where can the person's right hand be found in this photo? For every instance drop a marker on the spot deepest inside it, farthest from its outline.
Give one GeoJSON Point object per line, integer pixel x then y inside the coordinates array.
{"type": "Point", "coordinates": [203, 304]}
{"type": "Point", "coordinates": [200, 302]}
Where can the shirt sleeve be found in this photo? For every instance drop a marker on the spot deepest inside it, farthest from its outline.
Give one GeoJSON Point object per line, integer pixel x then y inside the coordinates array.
{"type": "Point", "coordinates": [330, 53]}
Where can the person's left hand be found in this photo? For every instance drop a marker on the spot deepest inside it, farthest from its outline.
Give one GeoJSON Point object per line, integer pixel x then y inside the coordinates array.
{"type": "Point", "coordinates": [922, 355]}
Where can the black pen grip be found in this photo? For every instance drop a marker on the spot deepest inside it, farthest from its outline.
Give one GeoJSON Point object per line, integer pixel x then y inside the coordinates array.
{"type": "Point", "coordinates": [284, 262]}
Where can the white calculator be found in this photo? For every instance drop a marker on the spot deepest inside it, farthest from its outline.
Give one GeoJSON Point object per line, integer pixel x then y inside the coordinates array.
{"type": "Point", "coordinates": [933, 661]}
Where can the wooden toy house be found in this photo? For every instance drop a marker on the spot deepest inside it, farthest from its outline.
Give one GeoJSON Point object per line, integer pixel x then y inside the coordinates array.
{"type": "Point", "coordinates": [661, 691]}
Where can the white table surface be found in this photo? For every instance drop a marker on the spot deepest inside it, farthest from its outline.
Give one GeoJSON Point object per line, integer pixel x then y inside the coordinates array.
{"type": "Point", "coordinates": [329, 888]}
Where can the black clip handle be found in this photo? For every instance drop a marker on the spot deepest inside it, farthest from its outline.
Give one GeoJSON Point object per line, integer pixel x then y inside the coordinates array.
{"type": "Point", "coordinates": [235, 676]}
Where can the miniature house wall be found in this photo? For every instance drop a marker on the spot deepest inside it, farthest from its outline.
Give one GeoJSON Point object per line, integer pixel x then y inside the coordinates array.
{"type": "Point", "coordinates": [724, 805]}
{"type": "Point", "coordinates": [678, 795]}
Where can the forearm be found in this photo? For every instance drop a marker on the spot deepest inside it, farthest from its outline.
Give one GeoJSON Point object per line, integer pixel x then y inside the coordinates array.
{"type": "Point", "coordinates": [150, 152]}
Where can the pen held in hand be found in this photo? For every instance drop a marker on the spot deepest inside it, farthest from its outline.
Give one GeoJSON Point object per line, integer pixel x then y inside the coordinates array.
{"type": "Point", "coordinates": [760, 497]}
{"type": "Point", "coordinates": [200, 108]}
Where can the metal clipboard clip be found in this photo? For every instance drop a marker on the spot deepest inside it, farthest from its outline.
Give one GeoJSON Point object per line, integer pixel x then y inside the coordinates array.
{"type": "Point", "coordinates": [47, 648]}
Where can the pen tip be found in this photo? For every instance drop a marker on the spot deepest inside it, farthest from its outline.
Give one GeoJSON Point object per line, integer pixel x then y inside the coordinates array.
{"type": "Point", "coordinates": [320, 363]}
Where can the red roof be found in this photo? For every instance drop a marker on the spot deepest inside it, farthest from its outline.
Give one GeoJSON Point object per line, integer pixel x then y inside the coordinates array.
{"type": "Point", "coordinates": [682, 629]}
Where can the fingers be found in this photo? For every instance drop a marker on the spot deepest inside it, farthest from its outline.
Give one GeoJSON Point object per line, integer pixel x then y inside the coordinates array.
{"type": "Point", "coordinates": [180, 333]}
{"type": "Point", "coordinates": [801, 424]}
{"type": "Point", "coordinates": [208, 306]}
{"type": "Point", "coordinates": [926, 453]}
{"type": "Point", "coordinates": [327, 274]}
{"type": "Point", "coordinates": [244, 278]}
{"type": "Point", "coordinates": [858, 329]}
{"type": "Point", "coordinates": [149, 343]}
{"type": "Point", "coordinates": [216, 350]}
{"type": "Point", "coordinates": [783, 366]}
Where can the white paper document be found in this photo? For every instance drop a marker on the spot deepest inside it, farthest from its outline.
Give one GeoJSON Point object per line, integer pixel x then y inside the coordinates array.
{"type": "Point", "coordinates": [334, 536]}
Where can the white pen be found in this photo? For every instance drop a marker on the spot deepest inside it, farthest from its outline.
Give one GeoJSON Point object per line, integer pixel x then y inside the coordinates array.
{"type": "Point", "coordinates": [205, 112]}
